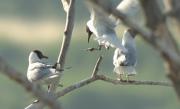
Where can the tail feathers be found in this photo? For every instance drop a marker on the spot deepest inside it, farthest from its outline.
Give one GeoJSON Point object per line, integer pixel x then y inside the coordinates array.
{"type": "Point", "coordinates": [125, 70]}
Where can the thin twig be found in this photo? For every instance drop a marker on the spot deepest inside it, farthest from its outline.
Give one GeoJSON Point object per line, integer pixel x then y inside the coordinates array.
{"type": "Point", "coordinates": [75, 86]}
{"type": "Point", "coordinates": [108, 80]}
{"type": "Point", "coordinates": [96, 68]}
{"type": "Point", "coordinates": [131, 82]}
{"type": "Point", "coordinates": [46, 98]}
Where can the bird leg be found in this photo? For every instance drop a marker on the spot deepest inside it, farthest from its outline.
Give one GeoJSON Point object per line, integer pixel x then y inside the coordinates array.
{"type": "Point", "coordinates": [128, 78]}
{"type": "Point", "coordinates": [119, 77]}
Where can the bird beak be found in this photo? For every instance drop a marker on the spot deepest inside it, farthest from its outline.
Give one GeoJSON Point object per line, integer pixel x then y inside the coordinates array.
{"type": "Point", "coordinates": [133, 32]}
{"type": "Point", "coordinates": [89, 33]}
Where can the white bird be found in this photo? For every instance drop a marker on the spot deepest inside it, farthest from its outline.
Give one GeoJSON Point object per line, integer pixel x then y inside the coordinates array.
{"type": "Point", "coordinates": [125, 62]}
{"type": "Point", "coordinates": [102, 26]}
{"type": "Point", "coordinates": [40, 72]}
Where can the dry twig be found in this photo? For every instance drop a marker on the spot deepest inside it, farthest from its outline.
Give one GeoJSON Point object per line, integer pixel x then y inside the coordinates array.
{"type": "Point", "coordinates": [96, 77]}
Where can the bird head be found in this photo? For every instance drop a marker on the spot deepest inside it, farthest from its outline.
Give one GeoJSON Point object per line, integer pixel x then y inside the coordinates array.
{"type": "Point", "coordinates": [132, 32]}
{"type": "Point", "coordinates": [36, 56]}
{"type": "Point", "coordinates": [129, 35]}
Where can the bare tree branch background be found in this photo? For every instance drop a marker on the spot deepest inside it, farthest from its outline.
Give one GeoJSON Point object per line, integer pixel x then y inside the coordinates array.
{"type": "Point", "coordinates": [94, 77]}
{"type": "Point", "coordinates": [158, 36]}
{"type": "Point", "coordinates": [156, 33]}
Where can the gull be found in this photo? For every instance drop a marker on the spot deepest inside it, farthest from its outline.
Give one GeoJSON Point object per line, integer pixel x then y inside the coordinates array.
{"type": "Point", "coordinates": [125, 62]}
{"type": "Point", "coordinates": [39, 72]}
{"type": "Point", "coordinates": [102, 26]}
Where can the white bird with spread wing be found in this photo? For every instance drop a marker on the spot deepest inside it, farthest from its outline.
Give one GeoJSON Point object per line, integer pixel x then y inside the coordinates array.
{"type": "Point", "coordinates": [103, 25]}
{"type": "Point", "coordinates": [125, 62]}
{"type": "Point", "coordinates": [39, 72]}
{"type": "Point", "coordinates": [103, 28]}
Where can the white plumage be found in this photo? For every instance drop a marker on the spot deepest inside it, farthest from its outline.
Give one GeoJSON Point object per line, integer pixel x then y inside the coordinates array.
{"type": "Point", "coordinates": [102, 26]}
{"type": "Point", "coordinates": [39, 72]}
{"type": "Point", "coordinates": [125, 62]}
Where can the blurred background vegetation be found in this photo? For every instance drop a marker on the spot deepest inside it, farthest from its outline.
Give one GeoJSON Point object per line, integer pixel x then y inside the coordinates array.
{"type": "Point", "coordinates": [38, 24]}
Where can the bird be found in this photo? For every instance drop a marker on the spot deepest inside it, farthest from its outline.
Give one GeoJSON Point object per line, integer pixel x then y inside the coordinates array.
{"type": "Point", "coordinates": [102, 26]}
{"type": "Point", "coordinates": [39, 72]}
{"type": "Point", "coordinates": [125, 62]}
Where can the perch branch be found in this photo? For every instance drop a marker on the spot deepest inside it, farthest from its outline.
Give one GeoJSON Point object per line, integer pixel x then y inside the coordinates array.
{"type": "Point", "coordinates": [96, 77]}
{"type": "Point", "coordinates": [46, 98]}
{"type": "Point", "coordinates": [69, 7]}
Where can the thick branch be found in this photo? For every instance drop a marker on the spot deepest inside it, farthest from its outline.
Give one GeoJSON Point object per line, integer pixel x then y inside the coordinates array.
{"type": "Point", "coordinates": [46, 98]}
{"type": "Point", "coordinates": [108, 80]}
{"type": "Point", "coordinates": [67, 36]}
{"type": "Point", "coordinates": [67, 33]}
{"type": "Point", "coordinates": [96, 68]}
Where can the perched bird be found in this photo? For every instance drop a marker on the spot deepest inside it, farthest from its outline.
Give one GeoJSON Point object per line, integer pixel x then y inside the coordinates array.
{"type": "Point", "coordinates": [102, 26]}
{"type": "Point", "coordinates": [125, 62]}
{"type": "Point", "coordinates": [39, 72]}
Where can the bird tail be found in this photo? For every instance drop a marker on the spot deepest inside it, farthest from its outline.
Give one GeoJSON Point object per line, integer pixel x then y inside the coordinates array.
{"type": "Point", "coordinates": [127, 70]}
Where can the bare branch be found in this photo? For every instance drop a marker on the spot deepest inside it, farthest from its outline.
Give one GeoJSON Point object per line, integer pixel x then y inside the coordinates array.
{"type": "Point", "coordinates": [108, 80]}
{"type": "Point", "coordinates": [83, 82]}
{"type": "Point", "coordinates": [46, 98]}
{"type": "Point", "coordinates": [96, 77]}
{"type": "Point", "coordinates": [96, 68]}
{"type": "Point", "coordinates": [66, 38]}
{"type": "Point", "coordinates": [131, 82]}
